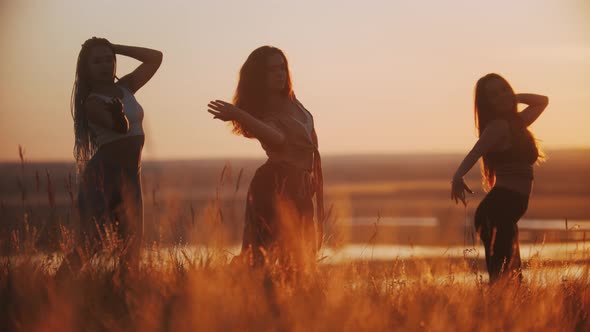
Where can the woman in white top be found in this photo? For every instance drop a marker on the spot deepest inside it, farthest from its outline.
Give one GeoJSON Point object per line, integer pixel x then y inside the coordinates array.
{"type": "Point", "coordinates": [279, 223]}
{"type": "Point", "coordinates": [508, 150]}
{"type": "Point", "coordinates": [109, 139]}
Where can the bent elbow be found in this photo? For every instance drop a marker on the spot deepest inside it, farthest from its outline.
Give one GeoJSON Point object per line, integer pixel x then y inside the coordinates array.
{"type": "Point", "coordinates": [157, 58]}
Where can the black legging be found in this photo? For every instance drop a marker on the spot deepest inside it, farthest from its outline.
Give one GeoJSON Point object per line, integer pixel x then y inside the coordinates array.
{"type": "Point", "coordinates": [496, 222]}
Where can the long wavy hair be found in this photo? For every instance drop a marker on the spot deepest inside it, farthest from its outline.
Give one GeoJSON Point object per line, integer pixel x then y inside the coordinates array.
{"type": "Point", "coordinates": [484, 113]}
{"type": "Point", "coordinates": [85, 144]}
{"type": "Point", "coordinates": [252, 92]}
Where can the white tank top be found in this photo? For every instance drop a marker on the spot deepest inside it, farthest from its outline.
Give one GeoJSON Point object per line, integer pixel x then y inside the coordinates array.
{"type": "Point", "coordinates": [134, 113]}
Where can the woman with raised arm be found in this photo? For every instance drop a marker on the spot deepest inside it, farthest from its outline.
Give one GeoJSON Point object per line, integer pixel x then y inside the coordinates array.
{"type": "Point", "coordinates": [279, 221]}
{"type": "Point", "coordinates": [109, 138]}
{"type": "Point", "coordinates": [509, 151]}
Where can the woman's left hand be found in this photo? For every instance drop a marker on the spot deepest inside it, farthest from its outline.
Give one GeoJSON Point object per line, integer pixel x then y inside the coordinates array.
{"type": "Point", "coordinates": [223, 111]}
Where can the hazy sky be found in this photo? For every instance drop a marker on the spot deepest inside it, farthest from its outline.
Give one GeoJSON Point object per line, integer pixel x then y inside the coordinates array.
{"type": "Point", "coordinates": [379, 76]}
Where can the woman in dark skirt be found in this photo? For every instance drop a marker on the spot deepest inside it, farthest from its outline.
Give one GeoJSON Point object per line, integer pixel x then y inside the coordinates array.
{"type": "Point", "coordinates": [109, 138]}
{"type": "Point", "coordinates": [509, 152]}
{"type": "Point", "coordinates": [279, 223]}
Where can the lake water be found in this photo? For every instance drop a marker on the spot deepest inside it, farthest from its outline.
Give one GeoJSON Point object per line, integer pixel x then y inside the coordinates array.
{"type": "Point", "coordinates": [524, 224]}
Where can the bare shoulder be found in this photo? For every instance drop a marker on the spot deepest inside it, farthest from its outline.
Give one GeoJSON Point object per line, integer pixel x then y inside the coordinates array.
{"type": "Point", "coordinates": [300, 104]}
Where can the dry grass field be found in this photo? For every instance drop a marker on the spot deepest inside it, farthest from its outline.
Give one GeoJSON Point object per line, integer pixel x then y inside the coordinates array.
{"type": "Point", "coordinates": [199, 204]}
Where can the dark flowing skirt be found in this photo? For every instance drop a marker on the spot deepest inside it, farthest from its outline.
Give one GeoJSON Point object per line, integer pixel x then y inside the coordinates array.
{"type": "Point", "coordinates": [279, 221]}
{"type": "Point", "coordinates": [110, 199]}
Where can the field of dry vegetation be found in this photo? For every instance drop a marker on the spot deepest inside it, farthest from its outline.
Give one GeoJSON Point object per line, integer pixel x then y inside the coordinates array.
{"type": "Point", "coordinates": [180, 288]}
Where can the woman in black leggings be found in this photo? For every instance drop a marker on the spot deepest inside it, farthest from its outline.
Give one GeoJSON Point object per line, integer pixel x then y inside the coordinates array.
{"type": "Point", "coordinates": [509, 151]}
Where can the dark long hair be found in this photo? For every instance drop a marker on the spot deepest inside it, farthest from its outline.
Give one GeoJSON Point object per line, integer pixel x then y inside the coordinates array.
{"type": "Point", "coordinates": [252, 91]}
{"type": "Point", "coordinates": [484, 113]}
{"type": "Point", "coordinates": [85, 144]}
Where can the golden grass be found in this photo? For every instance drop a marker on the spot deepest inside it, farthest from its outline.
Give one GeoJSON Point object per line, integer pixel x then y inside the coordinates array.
{"type": "Point", "coordinates": [211, 295]}
{"type": "Point", "coordinates": [175, 290]}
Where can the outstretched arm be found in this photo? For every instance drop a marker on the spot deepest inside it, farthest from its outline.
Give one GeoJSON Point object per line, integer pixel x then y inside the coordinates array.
{"type": "Point", "coordinates": [537, 105]}
{"type": "Point", "coordinates": [265, 133]}
{"type": "Point", "coordinates": [151, 60]}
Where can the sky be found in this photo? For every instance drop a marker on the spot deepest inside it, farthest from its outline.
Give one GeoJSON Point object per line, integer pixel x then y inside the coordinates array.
{"type": "Point", "coordinates": [379, 76]}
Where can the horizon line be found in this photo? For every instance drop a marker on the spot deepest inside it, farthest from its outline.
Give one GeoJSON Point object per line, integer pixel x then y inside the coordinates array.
{"type": "Point", "coordinates": [327, 155]}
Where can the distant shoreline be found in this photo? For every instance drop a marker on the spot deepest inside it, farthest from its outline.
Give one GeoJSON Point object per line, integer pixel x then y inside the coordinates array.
{"type": "Point", "coordinates": [326, 157]}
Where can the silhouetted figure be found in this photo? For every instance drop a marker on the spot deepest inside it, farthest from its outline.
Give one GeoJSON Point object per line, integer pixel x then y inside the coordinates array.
{"type": "Point", "coordinates": [279, 221]}
{"type": "Point", "coordinates": [109, 139]}
{"type": "Point", "coordinates": [509, 152]}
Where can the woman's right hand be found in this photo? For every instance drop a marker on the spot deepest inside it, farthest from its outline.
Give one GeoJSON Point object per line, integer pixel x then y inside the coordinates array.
{"type": "Point", "coordinates": [223, 111]}
{"type": "Point", "coordinates": [458, 189]}
{"type": "Point", "coordinates": [107, 114]}
{"type": "Point", "coordinates": [120, 121]}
